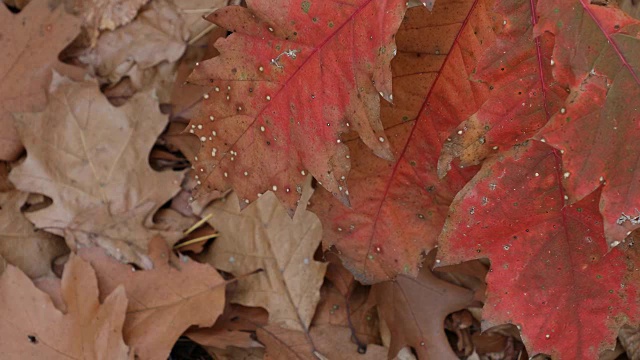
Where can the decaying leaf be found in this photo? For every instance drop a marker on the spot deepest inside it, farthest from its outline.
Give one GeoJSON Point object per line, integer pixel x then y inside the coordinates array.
{"type": "Point", "coordinates": [32, 328]}
{"type": "Point", "coordinates": [263, 236]}
{"type": "Point", "coordinates": [291, 79]}
{"type": "Point", "coordinates": [402, 303]}
{"type": "Point", "coordinates": [234, 328]}
{"type": "Point", "coordinates": [329, 342]}
{"type": "Point", "coordinates": [193, 13]}
{"type": "Point", "coordinates": [30, 250]}
{"type": "Point", "coordinates": [99, 15]}
{"type": "Point", "coordinates": [164, 301]}
{"type": "Point", "coordinates": [552, 272]}
{"type": "Point", "coordinates": [158, 34]}
{"type": "Point", "coordinates": [30, 43]}
{"type": "Point", "coordinates": [91, 159]}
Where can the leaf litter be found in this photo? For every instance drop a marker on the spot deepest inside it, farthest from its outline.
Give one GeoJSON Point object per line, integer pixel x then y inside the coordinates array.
{"type": "Point", "coordinates": [454, 156]}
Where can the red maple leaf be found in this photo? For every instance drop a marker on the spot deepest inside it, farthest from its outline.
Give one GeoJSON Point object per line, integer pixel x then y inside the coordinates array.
{"type": "Point", "coordinates": [597, 54]}
{"type": "Point", "coordinates": [293, 77]}
{"type": "Point", "coordinates": [550, 271]}
{"type": "Point", "coordinates": [489, 74]}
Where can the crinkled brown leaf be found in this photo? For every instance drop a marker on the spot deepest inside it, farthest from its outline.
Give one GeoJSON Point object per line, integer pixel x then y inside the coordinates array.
{"type": "Point", "coordinates": [415, 309]}
{"type": "Point", "coordinates": [165, 301]}
{"type": "Point", "coordinates": [263, 236]}
{"type": "Point", "coordinates": [32, 328]}
{"type": "Point", "coordinates": [98, 15]}
{"type": "Point", "coordinates": [30, 43]}
{"type": "Point", "coordinates": [329, 342]}
{"type": "Point", "coordinates": [32, 251]}
{"type": "Point", "coordinates": [235, 327]}
{"type": "Point", "coordinates": [158, 34]}
{"type": "Point", "coordinates": [193, 13]}
{"type": "Point", "coordinates": [91, 159]}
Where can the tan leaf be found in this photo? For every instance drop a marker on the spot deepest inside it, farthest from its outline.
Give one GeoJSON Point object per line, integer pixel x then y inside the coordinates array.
{"type": "Point", "coordinates": [100, 15]}
{"type": "Point", "coordinates": [234, 353]}
{"type": "Point", "coordinates": [91, 159]}
{"type": "Point", "coordinates": [233, 328]}
{"type": "Point", "coordinates": [165, 301]}
{"type": "Point", "coordinates": [263, 236]}
{"type": "Point", "coordinates": [158, 34]}
{"type": "Point", "coordinates": [32, 251]}
{"type": "Point", "coordinates": [329, 342]}
{"type": "Point", "coordinates": [32, 328]}
{"type": "Point", "coordinates": [355, 312]}
{"type": "Point", "coordinates": [30, 43]}
{"type": "Point", "coordinates": [415, 310]}
{"type": "Point", "coordinates": [193, 13]}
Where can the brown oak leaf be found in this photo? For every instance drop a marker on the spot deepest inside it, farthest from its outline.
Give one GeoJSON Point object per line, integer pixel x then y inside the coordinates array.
{"type": "Point", "coordinates": [165, 301]}
{"type": "Point", "coordinates": [329, 342]}
{"type": "Point", "coordinates": [415, 309]}
{"type": "Point", "coordinates": [90, 158]}
{"type": "Point", "coordinates": [32, 327]}
{"type": "Point", "coordinates": [263, 236]}
{"type": "Point", "coordinates": [30, 43]}
{"type": "Point", "coordinates": [157, 35]}
{"type": "Point", "coordinates": [32, 251]}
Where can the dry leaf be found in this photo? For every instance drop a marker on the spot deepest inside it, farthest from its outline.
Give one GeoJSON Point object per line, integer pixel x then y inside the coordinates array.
{"type": "Point", "coordinates": [91, 159]}
{"type": "Point", "coordinates": [415, 309]}
{"type": "Point", "coordinates": [329, 342]}
{"type": "Point", "coordinates": [5, 184]}
{"type": "Point", "coordinates": [30, 43]}
{"type": "Point", "coordinates": [345, 302]}
{"type": "Point", "coordinates": [355, 312]}
{"type": "Point", "coordinates": [165, 301]}
{"type": "Point", "coordinates": [184, 96]}
{"type": "Point", "coordinates": [234, 353]}
{"type": "Point", "coordinates": [32, 251]}
{"type": "Point", "coordinates": [32, 328]}
{"type": "Point", "coordinates": [193, 12]}
{"type": "Point", "coordinates": [100, 15]}
{"type": "Point", "coordinates": [630, 339]}
{"type": "Point", "coordinates": [158, 34]}
{"type": "Point", "coordinates": [234, 327]}
{"type": "Point", "coordinates": [263, 236]}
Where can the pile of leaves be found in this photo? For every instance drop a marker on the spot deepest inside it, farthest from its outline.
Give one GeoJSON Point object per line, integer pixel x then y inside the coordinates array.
{"type": "Point", "coordinates": [309, 179]}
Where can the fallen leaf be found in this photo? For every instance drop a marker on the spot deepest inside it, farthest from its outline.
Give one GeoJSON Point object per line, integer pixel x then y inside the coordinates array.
{"type": "Point", "coordinates": [5, 184]}
{"type": "Point", "coordinates": [165, 301]}
{"type": "Point", "coordinates": [344, 302]}
{"type": "Point", "coordinates": [398, 209]}
{"type": "Point", "coordinates": [186, 97]}
{"type": "Point", "coordinates": [234, 353]}
{"type": "Point", "coordinates": [236, 327]}
{"type": "Point", "coordinates": [329, 342]}
{"type": "Point", "coordinates": [32, 328]}
{"type": "Point", "coordinates": [604, 84]}
{"type": "Point", "coordinates": [99, 15]}
{"type": "Point", "coordinates": [354, 311]}
{"type": "Point", "coordinates": [263, 236]}
{"type": "Point", "coordinates": [91, 159]}
{"type": "Point", "coordinates": [290, 80]}
{"type": "Point", "coordinates": [193, 13]}
{"type": "Point", "coordinates": [630, 339]}
{"type": "Point", "coordinates": [31, 250]}
{"type": "Point", "coordinates": [415, 310]}
{"type": "Point", "coordinates": [545, 254]}
{"type": "Point", "coordinates": [157, 34]}
{"type": "Point", "coordinates": [31, 41]}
